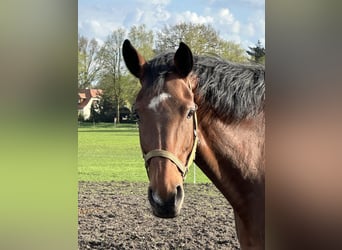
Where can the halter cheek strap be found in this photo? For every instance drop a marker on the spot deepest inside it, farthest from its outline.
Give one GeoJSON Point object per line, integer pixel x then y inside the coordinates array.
{"type": "Point", "coordinates": [168, 155]}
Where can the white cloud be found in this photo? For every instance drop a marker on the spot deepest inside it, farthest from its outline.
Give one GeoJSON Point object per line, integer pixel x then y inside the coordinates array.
{"type": "Point", "coordinates": [226, 16]}
{"type": "Point", "coordinates": [139, 15]}
{"type": "Point", "coordinates": [161, 14]}
{"type": "Point", "coordinates": [98, 29]}
{"type": "Point", "coordinates": [242, 27]}
{"type": "Point", "coordinates": [255, 26]}
{"type": "Point", "coordinates": [193, 17]}
{"type": "Point", "coordinates": [228, 21]}
{"type": "Point", "coordinates": [150, 17]}
{"type": "Point", "coordinates": [250, 30]}
{"type": "Point", "coordinates": [236, 27]}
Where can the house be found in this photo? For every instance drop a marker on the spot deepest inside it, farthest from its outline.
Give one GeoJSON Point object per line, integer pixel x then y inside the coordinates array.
{"type": "Point", "coordinates": [86, 97]}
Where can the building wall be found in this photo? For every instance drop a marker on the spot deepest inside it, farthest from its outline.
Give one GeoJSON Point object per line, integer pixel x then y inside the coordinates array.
{"type": "Point", "coordinates": [87, 109]}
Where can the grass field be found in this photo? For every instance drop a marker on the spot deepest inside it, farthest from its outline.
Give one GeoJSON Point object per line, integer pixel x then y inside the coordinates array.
{"type": "Point", "coordinates": [108, 153]}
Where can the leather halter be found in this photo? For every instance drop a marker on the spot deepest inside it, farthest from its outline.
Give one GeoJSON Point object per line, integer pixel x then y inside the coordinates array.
{"type": "Point", "coordinates": [168, 155]}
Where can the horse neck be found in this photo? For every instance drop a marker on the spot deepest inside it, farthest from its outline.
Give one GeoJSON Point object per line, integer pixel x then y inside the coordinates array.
{"type": "Point", "coordinates": [232, 156]}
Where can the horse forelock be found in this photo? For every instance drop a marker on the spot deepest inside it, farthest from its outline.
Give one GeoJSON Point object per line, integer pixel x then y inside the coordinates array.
{"type": "Point", "coordinates": [158, 68]}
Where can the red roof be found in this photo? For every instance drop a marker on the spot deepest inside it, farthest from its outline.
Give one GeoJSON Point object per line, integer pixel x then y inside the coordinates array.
{"type": "Point", "coordinates": [84, 95]}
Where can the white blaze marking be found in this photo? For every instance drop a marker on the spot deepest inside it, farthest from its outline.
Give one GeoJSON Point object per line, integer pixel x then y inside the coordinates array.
{"type": "Point", "coordinates": [155, 101]}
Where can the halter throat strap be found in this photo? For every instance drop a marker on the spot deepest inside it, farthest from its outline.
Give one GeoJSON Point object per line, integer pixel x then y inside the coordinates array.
{"type": "Point", "coordinates": [168, 155]}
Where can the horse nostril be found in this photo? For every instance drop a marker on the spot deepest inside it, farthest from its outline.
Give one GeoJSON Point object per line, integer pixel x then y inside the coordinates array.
{"type": "Point", "coordinates": [151, 195]}
{"type": "Point", "coordinates": [179, 192]}
{"type": "Point", "coordinates": [154, 198]}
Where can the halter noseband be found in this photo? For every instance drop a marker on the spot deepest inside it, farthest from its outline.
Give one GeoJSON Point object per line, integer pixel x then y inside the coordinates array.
{"type": "Point", "coordinates": [168, 155]}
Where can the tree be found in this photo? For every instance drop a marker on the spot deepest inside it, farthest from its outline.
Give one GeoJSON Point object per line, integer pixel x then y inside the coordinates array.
{"type": "Point", "coordinates": [257, 53]}
{"type": "Point", "coordinates": [232, 51]}
{"type": "Point", "coordinates": [107, 103]}
{"type": "Point", "coordinates": [131, 87]}
{"type": "Point", "coordinates": [88, 62]}
{"type": "Point", "coordinates": [111, 69]}
{"type": "Point", "coordinates": [202, 39]}
{"type": "Point", "coordinates": [142, 40]}
{"type": "Point", "coordinates": [199, 37]}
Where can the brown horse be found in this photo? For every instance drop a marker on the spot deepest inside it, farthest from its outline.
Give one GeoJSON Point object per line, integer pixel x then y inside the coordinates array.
{"type": "Point", "coordinates": [209, 110]}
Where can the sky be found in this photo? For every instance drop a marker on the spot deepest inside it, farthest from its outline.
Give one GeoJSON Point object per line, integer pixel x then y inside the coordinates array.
{"type": "Point", "coordinates": [241, 21]}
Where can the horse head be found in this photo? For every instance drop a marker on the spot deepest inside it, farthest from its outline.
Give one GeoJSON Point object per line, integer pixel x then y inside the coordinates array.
{"type": "Point", "coordinates": [166, 112]}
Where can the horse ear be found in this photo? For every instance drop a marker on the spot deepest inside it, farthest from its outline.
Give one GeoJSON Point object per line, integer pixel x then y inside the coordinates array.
{"type": "Point", "coordinates": [183, 60]}
{"type": "Point", "coordinates": [133, 60]}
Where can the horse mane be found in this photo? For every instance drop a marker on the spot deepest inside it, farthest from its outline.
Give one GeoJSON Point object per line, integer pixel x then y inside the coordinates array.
{"type": "Point", "coordinates": [229, 91]}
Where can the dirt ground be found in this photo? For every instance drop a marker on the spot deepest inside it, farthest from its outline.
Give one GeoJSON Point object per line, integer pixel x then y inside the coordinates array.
{"type": "Point", "coordinates": [116, 215]}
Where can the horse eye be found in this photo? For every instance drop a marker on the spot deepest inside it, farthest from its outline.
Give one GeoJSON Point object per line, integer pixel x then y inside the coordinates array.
{"type": "Point", "coordinates": [190, 114]}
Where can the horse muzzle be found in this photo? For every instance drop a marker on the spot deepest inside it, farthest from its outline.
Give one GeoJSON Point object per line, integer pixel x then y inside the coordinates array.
{"type": "Point", "coordinates": [169, 207]}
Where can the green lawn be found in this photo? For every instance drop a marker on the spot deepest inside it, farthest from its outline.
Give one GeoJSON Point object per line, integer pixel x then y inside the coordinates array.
{"type": "Point", "coordinates": [108, 153]}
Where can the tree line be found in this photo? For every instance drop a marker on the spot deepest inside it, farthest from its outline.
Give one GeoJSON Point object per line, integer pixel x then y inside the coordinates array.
{"type": "Point", "coordinates": [103, 67]}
